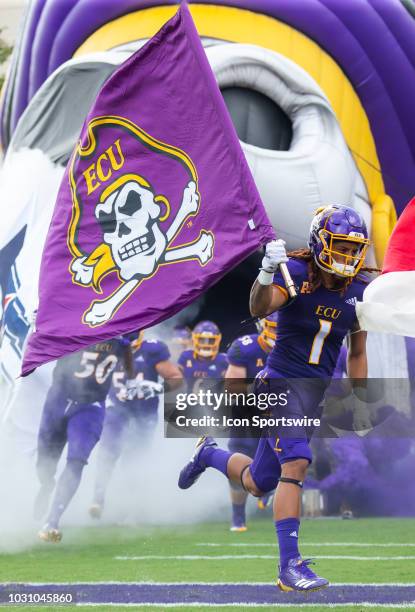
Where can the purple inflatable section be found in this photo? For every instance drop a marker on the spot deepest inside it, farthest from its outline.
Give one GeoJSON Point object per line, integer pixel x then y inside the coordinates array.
{"type": "Point", "coordinates": [372, 40]}
{"type": "Point", "coordinates": [23, 66]}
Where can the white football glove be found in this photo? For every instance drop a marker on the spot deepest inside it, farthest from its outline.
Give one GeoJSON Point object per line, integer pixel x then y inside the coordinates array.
{"type": "Point", "coordinates": [275, 254]}
{"type": "Point", "coordinates": [146, 389]}
{"type": "Point", "coordinates": [128, 391]}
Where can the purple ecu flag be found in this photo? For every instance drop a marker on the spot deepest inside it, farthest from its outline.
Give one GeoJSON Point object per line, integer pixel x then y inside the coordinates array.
{"type": "Point", "coordinates": [156, 205]}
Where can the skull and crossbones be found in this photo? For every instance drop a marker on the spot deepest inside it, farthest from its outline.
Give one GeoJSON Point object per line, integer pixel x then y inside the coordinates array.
{"type": "Point", "coordinates": [129, 218]}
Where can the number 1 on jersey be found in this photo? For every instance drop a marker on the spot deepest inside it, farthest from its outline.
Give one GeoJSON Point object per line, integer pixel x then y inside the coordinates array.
{"type": "Point", "coordinates": [318, 342]}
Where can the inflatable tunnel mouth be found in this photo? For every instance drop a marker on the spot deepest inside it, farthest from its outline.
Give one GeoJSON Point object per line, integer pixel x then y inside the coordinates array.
{"type": "Point", "coordinates": [258, 120]}
{"type": "Point", "coordinates": [290, 135]}
{"type": "Point", "coordinates": [267, 95]}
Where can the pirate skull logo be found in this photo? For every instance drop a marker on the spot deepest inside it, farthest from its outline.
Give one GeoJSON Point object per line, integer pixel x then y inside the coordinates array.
{"type": "Point", "coordinates": [129, 216]}
{"type": "Point", "coordinates": [138, 227]}
{"type": "Point", "coordinates": [129, 221]}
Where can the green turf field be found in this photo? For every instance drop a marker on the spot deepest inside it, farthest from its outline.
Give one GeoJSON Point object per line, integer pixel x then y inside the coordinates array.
{"type": "Point", "coordinates": [381, 551]}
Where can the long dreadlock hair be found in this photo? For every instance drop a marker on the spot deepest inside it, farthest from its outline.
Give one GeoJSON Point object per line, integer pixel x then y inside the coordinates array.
{"type": "Point", "coordinates": [314, 275]}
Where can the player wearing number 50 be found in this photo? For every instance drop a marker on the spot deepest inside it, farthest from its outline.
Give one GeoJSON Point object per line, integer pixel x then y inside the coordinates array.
{"type": "Point", "coordinates": [73, 414]}
{"type": "Point", "coordinates": [311, 330]}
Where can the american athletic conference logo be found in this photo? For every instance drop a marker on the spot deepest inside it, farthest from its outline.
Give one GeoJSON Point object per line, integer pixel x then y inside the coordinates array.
{"type": "Point", "coordinates": [140, 191]}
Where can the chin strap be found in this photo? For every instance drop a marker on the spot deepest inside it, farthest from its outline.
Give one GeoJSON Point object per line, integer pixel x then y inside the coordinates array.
{"type": "Point", "coordinates": [293, 481]}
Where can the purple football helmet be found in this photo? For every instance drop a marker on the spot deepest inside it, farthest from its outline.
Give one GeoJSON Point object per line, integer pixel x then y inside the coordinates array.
{"type": "Point", "coordinates": [331, 226]}
{"type": "Point", "coordinates": [180, 340]}
{"type": "Point", "coordinates": [182, 336]}
{"type": "Point", "coordinates": [206, 338]}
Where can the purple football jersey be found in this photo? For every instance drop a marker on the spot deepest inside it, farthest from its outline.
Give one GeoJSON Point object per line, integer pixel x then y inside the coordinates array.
{"type": "Point", "coordinates": [85, 376]}
{"type": "Point", "coordinates": [249, 352]}
{"type": "Point", "coordinates": [341, 366]}
{"type": "Point", "coordinates": [312, 328]}
{"type": "Point", "coordinates": [195, 368]}
{"type": "Point", "coordinates": [145, 359]}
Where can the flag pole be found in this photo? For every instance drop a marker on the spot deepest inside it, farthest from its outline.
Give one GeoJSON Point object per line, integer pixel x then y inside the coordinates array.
{"type": "Point", "coordinates": [289, 283]}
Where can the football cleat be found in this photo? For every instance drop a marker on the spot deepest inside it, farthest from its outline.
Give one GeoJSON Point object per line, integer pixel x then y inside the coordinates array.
{"type": "Point", "coordinates": [50, 534]}
{"type": "Point", "coordinates": [238, 528]}
{"type": "Point", "coordinates": [192, 470]}
{"type": "Point", "coordinates": [297, 576]}
{"type": "Point", "coordinates": [95, 511]}
{"type": "Point", "coordinates": [265, 500]}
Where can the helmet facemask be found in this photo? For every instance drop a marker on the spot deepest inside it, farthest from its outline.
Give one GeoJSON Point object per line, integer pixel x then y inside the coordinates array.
{"type": "Point", "coordinates": [206, 344]}
{"type": "Point", "coordinates": [338, 263]}
{"type": "Point", "coordinates": [339, 224]}
{"type": "Point", "coordinates": [269, 332]}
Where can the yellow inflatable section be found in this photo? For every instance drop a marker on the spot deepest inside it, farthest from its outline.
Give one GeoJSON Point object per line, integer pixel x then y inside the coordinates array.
{"type": "Point", "coordinates": [242, 26]}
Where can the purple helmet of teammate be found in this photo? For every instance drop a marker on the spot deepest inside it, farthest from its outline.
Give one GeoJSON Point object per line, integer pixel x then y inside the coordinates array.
{"type": "Point", "coordinates": [268, 329]}
{"type": "Point", "coordinates": [331, 230]}
{"type": "Point", "coordinates": [206, 338]}
{"type": "Point", "coordinates": [182, 337]}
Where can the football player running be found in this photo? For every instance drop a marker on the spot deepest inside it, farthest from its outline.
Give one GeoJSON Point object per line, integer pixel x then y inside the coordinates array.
{"type": "Point", "coordinates": [73, 414]}
{"type": "Point", "coordinates": [247, 356]}
{"type": "Point", "coordinates": [203, 361]}
{"type": "Point", "coordinates": [311, 330]}
{"type": "Point", "coordinates": [132, 403]}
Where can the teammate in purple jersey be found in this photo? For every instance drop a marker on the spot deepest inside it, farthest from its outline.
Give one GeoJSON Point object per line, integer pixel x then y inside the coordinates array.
{"type": "Point", "coordinates": [311, 330]}
{"type": "Point", "coordinates": [247, 356]}
{"type": "Point", "coordinates": [124, 408]}
{"type": "Point", "coordinates": [73, 414]}
{"type": "Point", "coordinates": [203, 361]}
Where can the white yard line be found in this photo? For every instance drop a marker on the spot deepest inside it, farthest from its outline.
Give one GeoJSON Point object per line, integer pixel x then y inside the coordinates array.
{"type": "Point", "coordinates": [246, 604]}
{"type": "Point", "coordinates": [236, 557]}
{"type": "Point", "coordinates": [303, 544]}
{"type": "Point", "coordinates": [192, 584]}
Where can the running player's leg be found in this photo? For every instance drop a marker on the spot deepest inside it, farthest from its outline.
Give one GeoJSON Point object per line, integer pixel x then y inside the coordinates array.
{"type": "Point", "coordinates": [146, 425]}
{"type": "Point", "coordinates": [295, 456]}
{"type": "Point", "coordinates": [109, 451]}
{"type": "Point", "coordinates": [257, 476]}
{"type": "Point", "coordinates": [238, 495]}
{"type": "Point", "coordinates": [283, 462]}
{"type": "Point", "coordinates": [290, 446]}
{"type": "Point", "coordinates": [84, 429]}
{"type": "Point", "coordinates": [50, 443]}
